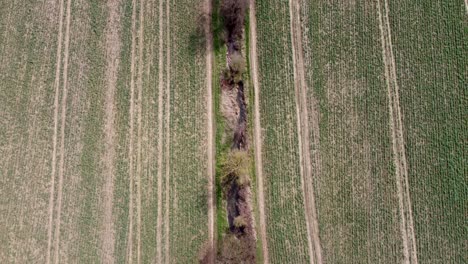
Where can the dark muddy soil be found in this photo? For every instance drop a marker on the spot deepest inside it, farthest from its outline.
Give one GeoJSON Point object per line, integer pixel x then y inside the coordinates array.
{"type": "Point", "coordinates": [240, 137]}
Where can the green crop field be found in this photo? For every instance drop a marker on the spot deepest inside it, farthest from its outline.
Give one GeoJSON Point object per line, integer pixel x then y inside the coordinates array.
{"type": "Point", "coordinates": [384, 112]}
{"type": "Point", "coordinates": [113, 136]}
{"type": "Point", "coordinates": [430, 48]}
{"type": "Point", "coordinates": [103, 140]}
{"type": "Point", "coordinates": [284, 199]}
{"type": "Point", "coordinates": [357, 201]}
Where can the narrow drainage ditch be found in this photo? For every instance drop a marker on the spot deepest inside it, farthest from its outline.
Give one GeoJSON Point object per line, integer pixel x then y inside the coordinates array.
{"type": "Point", "coordinates": [238, 242]}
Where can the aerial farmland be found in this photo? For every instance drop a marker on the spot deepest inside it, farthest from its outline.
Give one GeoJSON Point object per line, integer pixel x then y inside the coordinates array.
{"type": "Point", "coordinates": [233, 131]}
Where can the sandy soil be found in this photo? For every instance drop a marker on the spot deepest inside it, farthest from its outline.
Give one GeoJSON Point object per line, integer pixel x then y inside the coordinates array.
{"type": "Point", "coordinates": [396, 126]}
{"type": "Point", "coordinates": [303, 130]}
{"type": "Point", "coordinates": [257, 131]}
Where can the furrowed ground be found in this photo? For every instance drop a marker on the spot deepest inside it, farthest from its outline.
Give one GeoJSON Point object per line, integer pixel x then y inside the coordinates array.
{"type": "Point", "coordinates": [103, 141]}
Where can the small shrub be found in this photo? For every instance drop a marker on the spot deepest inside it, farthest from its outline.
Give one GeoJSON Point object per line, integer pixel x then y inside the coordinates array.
{"type": "Point", "coordinates": [237, 163]}
{"type": "Point", "coordinates": [235, 168]}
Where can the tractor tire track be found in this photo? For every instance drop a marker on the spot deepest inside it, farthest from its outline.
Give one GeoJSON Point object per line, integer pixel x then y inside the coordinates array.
{"type": "Point", "coordinates": [112, 56]}
{"type": "Point", "coordinates": [257, 132]}
{"type": "Point", "coordinates": [209, 74]}
{"type": "Point", "coordinates": [168, 130]}
{"type": "Point", "coordinates": [396, 126]}
{"type": "Point", "coordinates": [160, 136]}
{"type": "Point", "coordinates": [62, 132]}
{"type": "Point", "coordinates": [139, 109]}
{"type": "Point", "coordinates": [54, 138]}
{"type": "Point", "coordinates": [303, 131]}
{"type": "Point", "coordinates": [130, 147]}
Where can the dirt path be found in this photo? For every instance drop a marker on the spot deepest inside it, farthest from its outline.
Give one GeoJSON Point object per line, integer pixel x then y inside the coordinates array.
{"type": "Point", "coordinates": [396, 126]}
{"type": "Point", "coordinates": [209, 103]}
{"type": "Point", "coordinates": [130, 147]}
{"type": "Point", "coordinates": [168, 130]}
{"type": "Point", "coordinates": [54, 139]}
{"type": "Point", "coordinates": [303, 131]}
{"type": "Point", "coordinates": [257, 131]}
{"type": "Point", "coordinates": [62, 132]}
{"type": "Point", "coordinates": [112, 57]}
{"type": "Point", "coordinates": [466, 6]}
{"type": "Point", "coordinates": [160, 134]}
{"type": "Point", "coordinates": [139, 117]}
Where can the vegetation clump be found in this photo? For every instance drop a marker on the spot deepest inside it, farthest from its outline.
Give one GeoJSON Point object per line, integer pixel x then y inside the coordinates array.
{"type": "Point", "coordinates": [238, 243]}
{"type": "Point", "coordinates": [235, 169]}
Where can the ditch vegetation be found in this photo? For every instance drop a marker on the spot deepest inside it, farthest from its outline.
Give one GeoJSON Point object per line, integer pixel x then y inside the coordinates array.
{"type": "Point", "coordinates": [236, 239]}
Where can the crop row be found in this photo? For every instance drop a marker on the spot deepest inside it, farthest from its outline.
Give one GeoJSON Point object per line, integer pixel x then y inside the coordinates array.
{"type": "Point", "coordinates": [429, 39]}
{"type": "Point", "coordinates": [188, 133]}
{"type": "Point", "coordinates": [356, 192]}
{"type": "Point", "coordinates": [284, 200]}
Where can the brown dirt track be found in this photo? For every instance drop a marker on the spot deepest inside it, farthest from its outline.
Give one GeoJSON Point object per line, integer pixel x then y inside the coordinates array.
{"type": "Point", "coordinates": [257, 132]}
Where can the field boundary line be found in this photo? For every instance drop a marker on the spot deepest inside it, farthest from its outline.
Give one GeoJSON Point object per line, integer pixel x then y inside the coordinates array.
{"type": "Point", "coordinates": [396, 127]}
{"type": "Point", "coordinates": [54, 138]}
{"type": "Point", "coordinates": [130, 146]}
{"type": "Point", "coordinates": [160, 136]}
{"type": "Point", "coordinates": [168, 132]}
{"type": "Point", "coordinates": [112, 56]}
{"type": "Point", "coordinates": [62, 131]}
{"type": "Point", "coordinates": [139, 109]}
{"type": "Point", "coordinates": [209, 73]}
{"type": "Point", "coordinates": [257, 132]}
{"type": "Point", "coordinates": [168, 128]}
{"type": "Point", "coordinates": [300, 85]}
